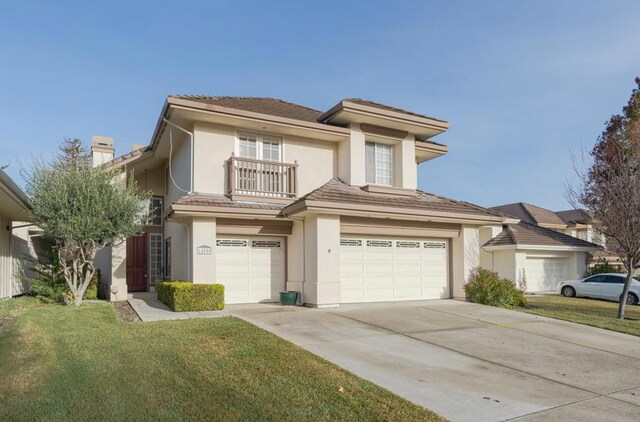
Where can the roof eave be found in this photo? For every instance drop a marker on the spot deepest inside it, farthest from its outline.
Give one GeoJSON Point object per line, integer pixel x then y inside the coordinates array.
{"type": "Point", "coordinates": [13, 191]}
{"type": "Point", "coordinates": [311, 206]}
{"type": "Point", "coordinates": [557, 248]}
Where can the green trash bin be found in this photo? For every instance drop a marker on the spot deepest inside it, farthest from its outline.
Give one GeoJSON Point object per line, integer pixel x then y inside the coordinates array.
{"type": "Point", "coordinates": [288, 298]}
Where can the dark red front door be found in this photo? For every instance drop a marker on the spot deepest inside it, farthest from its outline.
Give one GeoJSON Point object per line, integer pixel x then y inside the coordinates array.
{"type": "Point", "coordinates": [137, 263]}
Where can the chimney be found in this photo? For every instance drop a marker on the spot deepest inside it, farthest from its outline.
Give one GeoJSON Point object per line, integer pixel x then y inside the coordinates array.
{"type": "Point", "coordinates": [102, 150]}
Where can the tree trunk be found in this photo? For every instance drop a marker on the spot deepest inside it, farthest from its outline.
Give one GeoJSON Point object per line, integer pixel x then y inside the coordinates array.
{"type": "Point", "coordinates": [625, 291]}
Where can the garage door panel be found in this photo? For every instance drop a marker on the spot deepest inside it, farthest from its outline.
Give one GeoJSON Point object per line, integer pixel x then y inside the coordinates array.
{"type": "Point", "coordinates": [393, 269]}
{"type": "Point", "coordinates": [544, 274]}
{"type": "Point", "coordinates": [252, 269]}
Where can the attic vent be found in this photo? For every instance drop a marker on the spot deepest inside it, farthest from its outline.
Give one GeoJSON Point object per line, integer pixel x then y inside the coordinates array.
{"type": "Point", "coordinates": [407, 244]}
{"type": "Point", "coordinates": [237, 243]}
{"type": "Point", "coordinates": [435, 245]}
{"type": "Point", "coordinates": [350, 242]}
{"type": "Point", "coordinates": [265, 244]}
{"type": "Point", "coordinates": [379, 243]}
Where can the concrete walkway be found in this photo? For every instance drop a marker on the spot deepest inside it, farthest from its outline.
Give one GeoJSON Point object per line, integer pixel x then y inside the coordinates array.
{"type": "Point", "coordinates": [149, 308]}
{"type": "Point", "coordinates": [469, 362]}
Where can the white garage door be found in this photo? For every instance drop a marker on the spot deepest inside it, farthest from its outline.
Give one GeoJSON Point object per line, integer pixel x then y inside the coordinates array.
{"type": "Point", "coordinates": [379, 269]}
{"type": "Point", "coordinates": [544, 274]}
{"type": "Point", "coordinates": [251, 268]}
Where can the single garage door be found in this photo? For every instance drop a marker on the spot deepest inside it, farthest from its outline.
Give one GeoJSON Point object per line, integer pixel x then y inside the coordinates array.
{"type": "Point", "coordinates": [381, 269]}
{"type": "Point", "coordinates": [544, 274]}
{"type": "Point", "coordinates": [251, 268]}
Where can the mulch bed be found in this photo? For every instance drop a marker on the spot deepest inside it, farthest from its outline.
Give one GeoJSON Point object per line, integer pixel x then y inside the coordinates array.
{"type": "Point", "coordinates": [125, 312]}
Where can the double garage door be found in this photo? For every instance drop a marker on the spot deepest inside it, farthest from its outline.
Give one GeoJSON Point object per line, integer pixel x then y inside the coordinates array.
{"type": "Point", "coordinates": [252, 269]}
{"type": "Point", "coordinates": [544, 274]}
{"type": "Point", "coordinates": [388, 269]}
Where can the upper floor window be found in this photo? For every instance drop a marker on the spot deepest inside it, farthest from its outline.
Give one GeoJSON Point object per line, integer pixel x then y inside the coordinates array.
{"type": "Point", "coordinates": [260, 147]}
{"type": "Point", "coordinates": [155, 211]}
{"type": "Point", "coordinates": [378, 163]}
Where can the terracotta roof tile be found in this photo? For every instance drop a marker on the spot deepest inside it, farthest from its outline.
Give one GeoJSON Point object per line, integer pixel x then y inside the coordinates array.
{"type": "Point", "coordinates": [530, 213]}
{"type": "Point", "coordinates": [574, 216]}
{"type": "Point", "coordinates": [530, 234]}
{"type": "Point", "coordinates": [263, 105]}
{"type": "Point", "coordinates": [339, 192]}
{"type": "Point", "coordinates": [390, 108]}
{"type": "Point", "coordinates": [212, 200]}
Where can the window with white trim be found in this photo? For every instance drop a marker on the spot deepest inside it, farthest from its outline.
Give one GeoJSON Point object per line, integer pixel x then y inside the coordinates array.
{"type": "Point", "coordinates": [378, 163]}
{"type": "Point", "coordinates": [155, 257]}
{"type": "Point", "coordinates": [260, 147]}
{"type": "Point", "coordinates": [155, 210]}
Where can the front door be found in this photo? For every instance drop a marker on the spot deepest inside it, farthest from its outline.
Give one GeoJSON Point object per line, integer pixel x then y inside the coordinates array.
{"type": "Point", "coordinates": [137, 263]}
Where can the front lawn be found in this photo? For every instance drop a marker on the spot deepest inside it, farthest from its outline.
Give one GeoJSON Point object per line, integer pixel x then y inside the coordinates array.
{"type": "Point", "coordinates": [596, 313]}
{"type": "Point", "coordinates": [66, 363]}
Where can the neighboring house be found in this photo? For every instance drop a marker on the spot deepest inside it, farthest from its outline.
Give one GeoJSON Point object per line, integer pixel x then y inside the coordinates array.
{"type": "Point", "coordinates": [541, 250]}
{"type": "Point", "coordinates": [263, 195]}
{"type": "Point", "coordinates": [14, 244]}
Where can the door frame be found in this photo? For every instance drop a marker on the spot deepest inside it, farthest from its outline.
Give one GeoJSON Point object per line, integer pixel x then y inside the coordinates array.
{"type": "Point", "coordinates": [145, 257]}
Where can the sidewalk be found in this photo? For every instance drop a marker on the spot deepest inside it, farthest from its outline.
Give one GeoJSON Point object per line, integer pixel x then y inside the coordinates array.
{"type": "Point", "coordinates": [149, 308]}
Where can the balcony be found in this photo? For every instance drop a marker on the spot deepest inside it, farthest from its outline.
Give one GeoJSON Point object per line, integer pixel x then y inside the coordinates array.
{"type": "Point", "coordinates": [259, 178]}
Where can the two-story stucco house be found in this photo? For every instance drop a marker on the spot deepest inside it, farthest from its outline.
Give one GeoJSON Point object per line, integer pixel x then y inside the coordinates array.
{"type": "Point", "coordinates": [263, 195]}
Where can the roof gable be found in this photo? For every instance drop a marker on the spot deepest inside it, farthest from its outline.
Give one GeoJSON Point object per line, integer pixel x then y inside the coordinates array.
{"type": "Point", "coordinates": [531, 214]}
{"type": "Point", "coordinates": [530, 234]}
{"type": "Point", "coordinates": [263, 105]}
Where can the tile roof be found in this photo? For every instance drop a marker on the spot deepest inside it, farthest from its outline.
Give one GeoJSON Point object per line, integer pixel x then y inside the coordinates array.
{"type": "Point", "coordinates": [337, 191]}
{"type": "Point", "coordinates": [263, 105]}
{"type": "Point", "coordinates": [390, 108]}
{"type": "Point", "coordinates": [530, 213]}
{"type": "Point", "coordinates": [212, 200]}
{"type": "Point", "coordinates": [574, 216]}
{"type": "Point", "coordinates": [530, 234]}
{"type": "Point", "coordinates": [125, 157]}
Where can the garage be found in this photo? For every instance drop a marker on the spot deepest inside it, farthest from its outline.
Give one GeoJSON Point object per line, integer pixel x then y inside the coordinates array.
{"type": "Point", "coordinates": [544, 274]}
{"type": "Point", "coordinates": [389, 269]}
{"type": "Point", "coordinates": [252, 269]}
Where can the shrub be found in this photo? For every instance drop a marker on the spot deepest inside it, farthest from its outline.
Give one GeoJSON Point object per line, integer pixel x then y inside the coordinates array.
{"type": "Point", "coordinates": [92, 288]}
{"type": "Point", "coordinates": [602, 266]}
{"type": "Point", "coordinates": [487, 288]}
{"type": "Point", "coordinates": [184, 296]}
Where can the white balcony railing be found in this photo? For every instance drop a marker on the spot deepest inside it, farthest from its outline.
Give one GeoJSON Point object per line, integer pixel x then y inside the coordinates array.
{"type": "Point", "coordinates": [247, 176]}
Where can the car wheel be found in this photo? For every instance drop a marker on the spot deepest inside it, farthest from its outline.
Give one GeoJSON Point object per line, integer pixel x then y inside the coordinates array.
{"type": "Point", "coordinates": [632, 299]}
{"type": "Point", "coordinates": [568, 291]}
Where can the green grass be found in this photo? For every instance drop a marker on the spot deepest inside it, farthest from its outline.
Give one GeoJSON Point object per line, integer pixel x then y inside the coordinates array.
{"type": "Point", "coordinates": [596, 313]}
{"type": "Point", "coordinates": [67, 363]}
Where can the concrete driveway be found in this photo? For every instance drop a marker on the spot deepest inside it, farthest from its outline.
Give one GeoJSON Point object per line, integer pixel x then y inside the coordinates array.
{"type": "Point", "coordinates": [470, 362]}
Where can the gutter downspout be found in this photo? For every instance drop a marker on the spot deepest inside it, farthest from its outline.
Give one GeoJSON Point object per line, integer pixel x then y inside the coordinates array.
{"type": "Point", "coordinates": [192, 149]}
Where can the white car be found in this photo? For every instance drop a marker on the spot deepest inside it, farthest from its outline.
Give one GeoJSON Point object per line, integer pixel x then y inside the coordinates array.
{"type": "Point", "coordinates": [602, 286]}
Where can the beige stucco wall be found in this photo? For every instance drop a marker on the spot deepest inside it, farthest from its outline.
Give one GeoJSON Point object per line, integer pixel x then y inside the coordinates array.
{"type": "Point", "coordinates": [203, 233]}
{"type": "Point", "coordinates": [465, 255]}
{"type": "Point", "coordinates": [214, 144]}
{"type": "Point", "coordinates": [152, 181]}
{"type": "Point", "coordinates": [180, 247]}
{"type": "Point", "coordinates": [180, 168]}
{"type": "Point", "coordinates": [295, 257]}
{"type": "Point", "coordinates": [322, 260]}
{"type": "Point", "coordinates": [487, 233]}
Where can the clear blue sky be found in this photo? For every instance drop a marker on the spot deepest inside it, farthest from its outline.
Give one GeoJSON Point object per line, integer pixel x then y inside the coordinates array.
{"type": "Point", "coordinates": [521, 82]}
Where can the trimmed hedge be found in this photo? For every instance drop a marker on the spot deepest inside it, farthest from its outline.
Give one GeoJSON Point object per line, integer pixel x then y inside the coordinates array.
{"type": "Point", "coordinates": [486, 287]}
{"type": "Point", "coordinates": [184, 296]}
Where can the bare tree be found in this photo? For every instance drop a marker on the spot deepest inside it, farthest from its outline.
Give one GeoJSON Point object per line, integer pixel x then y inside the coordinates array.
{"type": "Point", "coordinates": [609, 187]}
